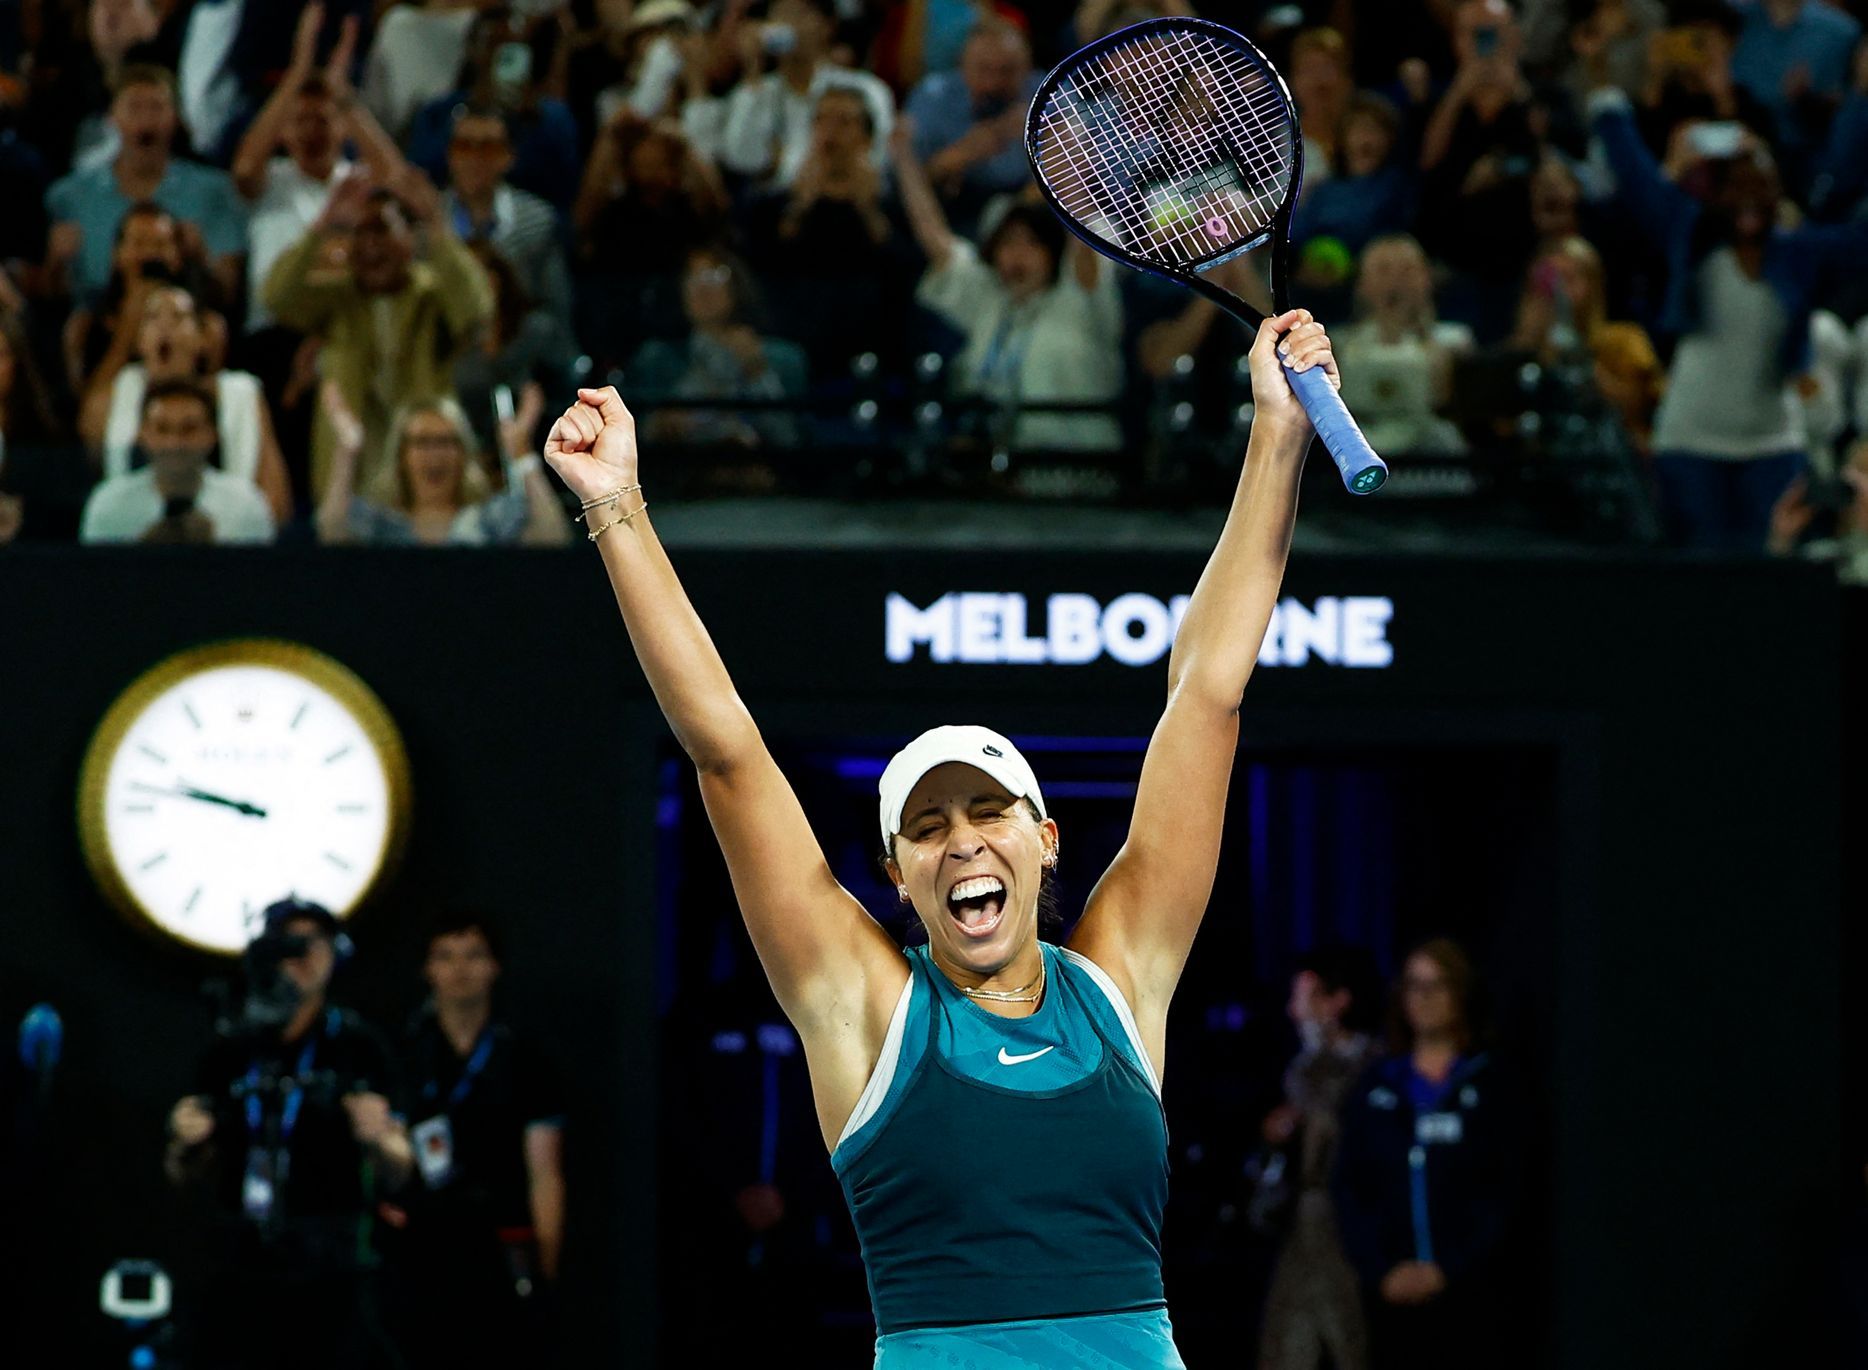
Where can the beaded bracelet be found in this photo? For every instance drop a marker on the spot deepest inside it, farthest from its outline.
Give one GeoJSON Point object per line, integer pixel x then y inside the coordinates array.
{"type": "Point", "coordinates": [611, 499]}
{"type": "Point", "coordinates": [622, 518]}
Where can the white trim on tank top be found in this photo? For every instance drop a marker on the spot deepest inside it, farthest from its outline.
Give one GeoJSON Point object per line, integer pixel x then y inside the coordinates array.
{"type": "Point", "coordinates": [870, 1102]}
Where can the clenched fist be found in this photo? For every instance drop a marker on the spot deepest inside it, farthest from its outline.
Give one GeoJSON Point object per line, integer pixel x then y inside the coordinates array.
{"type": "Point", "coordinates": [592, 446]}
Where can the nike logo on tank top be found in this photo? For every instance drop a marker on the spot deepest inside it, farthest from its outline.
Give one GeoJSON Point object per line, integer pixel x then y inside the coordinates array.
{"type": "Point", "coordinates": [1017, 1168]}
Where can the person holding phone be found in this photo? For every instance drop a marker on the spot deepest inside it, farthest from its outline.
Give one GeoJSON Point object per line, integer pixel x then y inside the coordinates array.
{"type": "Point", "coordinates": [175, 494]}
{"type": "Point", "coordinates": [786, 66]}
{"type": "Point", "coordinates": [1729, 436]}
{"type": "Point", "coordinates": [991, 1101]}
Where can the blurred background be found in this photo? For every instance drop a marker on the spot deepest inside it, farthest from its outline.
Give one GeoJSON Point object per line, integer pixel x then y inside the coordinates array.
{"type": "Point", "coordinates": [1548, 753]}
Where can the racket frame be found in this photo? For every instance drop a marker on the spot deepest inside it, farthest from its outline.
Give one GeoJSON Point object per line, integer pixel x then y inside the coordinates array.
{"type": "Point", "coordinates": [1277, 234]}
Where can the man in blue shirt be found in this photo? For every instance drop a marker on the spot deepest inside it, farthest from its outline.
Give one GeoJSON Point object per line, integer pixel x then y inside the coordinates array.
{"type": "Point", "coordinates": [86, 206]}
{"type": "Point", "coordinates": [969, 124]}
{"type": "Point", "coordinates": [1790, 50]}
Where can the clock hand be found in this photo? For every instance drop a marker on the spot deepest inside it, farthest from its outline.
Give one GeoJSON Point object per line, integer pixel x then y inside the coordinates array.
{"type": "Point", "coordinates": [190, 792]}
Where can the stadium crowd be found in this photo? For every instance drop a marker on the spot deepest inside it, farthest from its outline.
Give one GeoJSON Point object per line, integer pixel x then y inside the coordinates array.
{"type": "Point", "coordinates": [318, 271]}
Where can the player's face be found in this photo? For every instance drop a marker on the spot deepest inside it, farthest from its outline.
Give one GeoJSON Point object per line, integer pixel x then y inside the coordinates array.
{"type": "Point", "coordinates": [460, 967]}
{"type": "Point", "coordinates": [970, 856]}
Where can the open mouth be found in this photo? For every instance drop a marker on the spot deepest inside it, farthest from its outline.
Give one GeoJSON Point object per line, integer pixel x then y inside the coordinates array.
{"type": "Point", "coordinates": [977, 903]}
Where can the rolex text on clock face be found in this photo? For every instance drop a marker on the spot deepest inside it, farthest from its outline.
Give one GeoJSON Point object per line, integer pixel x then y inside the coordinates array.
{"type": "Point", "coordinates": [237, 786]}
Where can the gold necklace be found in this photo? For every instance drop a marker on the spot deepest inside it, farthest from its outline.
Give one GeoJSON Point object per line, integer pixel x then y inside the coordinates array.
{"type": "Point", "coordinates": [1024, 994]}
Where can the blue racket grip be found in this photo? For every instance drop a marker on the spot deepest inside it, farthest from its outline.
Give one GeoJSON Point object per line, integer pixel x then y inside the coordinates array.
{"type": "Point", "coordinates": [1363, 472]}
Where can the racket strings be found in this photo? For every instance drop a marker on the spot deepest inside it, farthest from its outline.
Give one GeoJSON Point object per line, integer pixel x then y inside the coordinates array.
{"type": "Point", "coordinates": [1173, 146]}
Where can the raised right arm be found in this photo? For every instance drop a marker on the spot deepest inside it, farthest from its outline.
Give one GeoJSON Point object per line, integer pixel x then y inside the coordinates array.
{"type": "Point", "coordinates": [829, 963]}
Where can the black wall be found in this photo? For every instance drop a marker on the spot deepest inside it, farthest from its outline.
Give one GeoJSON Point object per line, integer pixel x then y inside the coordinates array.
{"type": "Point", "coordinates": [1693, 711]}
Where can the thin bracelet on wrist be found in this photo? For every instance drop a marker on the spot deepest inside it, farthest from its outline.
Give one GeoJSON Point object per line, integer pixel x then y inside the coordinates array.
{"type": "Point", "coordinates": [596, 533]}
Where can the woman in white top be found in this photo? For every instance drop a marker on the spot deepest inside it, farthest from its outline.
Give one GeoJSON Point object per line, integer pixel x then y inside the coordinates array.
{"type": "Point", "coordinates": [1043, 323]}
{"type": "Point", "coordinates": [1404, 355]}
{"type": "Point", "coordinates": [173, 343]}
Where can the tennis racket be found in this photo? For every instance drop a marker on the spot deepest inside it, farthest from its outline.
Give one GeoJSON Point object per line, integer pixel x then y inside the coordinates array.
{"type": "Point", "coordinates": [1171, 146]}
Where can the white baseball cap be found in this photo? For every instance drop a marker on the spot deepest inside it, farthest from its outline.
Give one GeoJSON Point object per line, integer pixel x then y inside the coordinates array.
{"type": "Point", "coordinates": [967, 743]}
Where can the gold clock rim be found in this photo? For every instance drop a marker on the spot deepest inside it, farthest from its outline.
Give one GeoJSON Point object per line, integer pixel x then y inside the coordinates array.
{"type": "Point", "coordinates": [320, 669]}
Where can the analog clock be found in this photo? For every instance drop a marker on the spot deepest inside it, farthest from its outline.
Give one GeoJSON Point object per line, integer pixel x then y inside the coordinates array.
{"type": "Point", "coordinates": [233, 775]}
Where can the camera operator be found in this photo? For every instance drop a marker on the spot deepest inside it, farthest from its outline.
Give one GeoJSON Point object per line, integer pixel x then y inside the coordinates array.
{"type": "Point", "coordinates": [486, 1223]}
{"type": "Point", "coordinates": [290, 1138]}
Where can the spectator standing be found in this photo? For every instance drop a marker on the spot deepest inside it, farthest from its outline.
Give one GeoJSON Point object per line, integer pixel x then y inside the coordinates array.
{"type": "Point", "coordinates": [1314, 1307]}
{"type": "Point", "coordinates": [290, 1137]}
{"type": "Point", "coordinates": [1478, 152]}
{"type": "Point", "coordinates": [649, 198]}
{"type": "Point", "coordinates": [969, 123]}
{"type": "Point", "coordinates": [829, 244]}
{"type": "Point", "coordinates": [87, 205]}
{"type": "Point", "coordinates": [171, 345]}
{"type": "Point", "coordinates": [1040, 326]}
{"type": "Point", "coordinates": [416, 57]}
{"type": "Point", "coordinates": [393, 326]}
{"type": "Point", "coordinates": [508, 68]}
{"type": "Point", "coordinates": [482, 207]}
{"type": "Point", "coordinates": [292, 154]}
{"type": "Point", "coordinates": [1689, 74]}
{"type": "Point", "coordinates": [1729, 436]}
{"type": "Point", "coordinates": [1426, 1181]}
{"type": "Point", "coordinates": [768, 115]}
{"type": "Point", "coordinates": [1793, 56]}
{"type": "Point", "coordinates": [152, 248]}
{"type": "Point", "coordinates": [1403, 353]}
{"type": "Point", "coordinates": [486, 1225]}
{"type": "Point", "coordinates": [1372, 191]}
{"type": "Point", "coordinates": [1563, 324]}
{"type": "Point", "coordinates": [1322, 85]}
{"type": "Point", "coordinates": [233, 51]}
{"type": "Point", "coordinates": [176, 496]}
{"type": "Point", "coordinates": [431, 489]}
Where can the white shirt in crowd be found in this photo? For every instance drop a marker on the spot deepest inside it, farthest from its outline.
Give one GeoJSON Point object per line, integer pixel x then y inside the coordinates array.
{"type": "Point", "coordinates": [209, 91]}
{"type": "Point", "coordinates": [286, 209]}
{"type": "Point", "coordinates": [1063, 345]}
{"type": "Point", "coordinates": [238, 396]}
{"type": "Point", "coordinates": [416, 58]}
{"type": "Point", "coordinates": [125, 507]}
{"type": "Point", "coordinates": [767, 115]}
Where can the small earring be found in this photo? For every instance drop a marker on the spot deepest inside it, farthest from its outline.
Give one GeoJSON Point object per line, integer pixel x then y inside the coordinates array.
{"type": "Point", "coordinates": [901, 893]}
{"type": "Point", "coordinates": [1050, 859]}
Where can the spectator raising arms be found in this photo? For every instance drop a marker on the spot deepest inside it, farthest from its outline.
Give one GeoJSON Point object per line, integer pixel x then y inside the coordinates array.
{"type": "Point", "coordinates": [768, 115]}
{"type": "Point", "coordinates": [969, 124]}
{"type": "Point", "coordinates": [1043, 324]}
{"type": "Point", "coordinates": [307, 121]}
{"type": "Point", "coordinates": [171, 345]}
{"type": "Point", "coordinates": [393, 326]}
{"type": "Point", "coordinates": [178, 496]}
{"type": "Point", "coordinates": [87, 205]}
{"type": "Point", "coordinates": [432, 489]}
{"type": "Point", "coordinates": [1729, 437]}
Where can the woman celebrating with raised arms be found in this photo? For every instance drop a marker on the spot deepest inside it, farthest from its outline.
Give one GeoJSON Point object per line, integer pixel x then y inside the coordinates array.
{"type": "Point", "coordinates": [991, 1101]}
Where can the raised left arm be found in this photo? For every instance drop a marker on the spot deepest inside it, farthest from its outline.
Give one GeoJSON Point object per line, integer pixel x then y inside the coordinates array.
{"type": "Point", "coordinates": [1141, 919]}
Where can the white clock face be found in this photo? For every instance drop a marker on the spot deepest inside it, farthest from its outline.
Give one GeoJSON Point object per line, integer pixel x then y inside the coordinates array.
{"type": "Point", "coordinates": [239, 784]}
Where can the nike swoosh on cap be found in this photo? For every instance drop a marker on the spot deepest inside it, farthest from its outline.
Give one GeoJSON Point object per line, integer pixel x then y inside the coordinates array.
{"type": "Point", "coordinates": [1006, 1060]}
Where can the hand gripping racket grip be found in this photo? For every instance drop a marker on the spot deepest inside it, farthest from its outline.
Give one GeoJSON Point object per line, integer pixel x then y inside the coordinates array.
{"type": "Point", "coordinates": [1363, 472]}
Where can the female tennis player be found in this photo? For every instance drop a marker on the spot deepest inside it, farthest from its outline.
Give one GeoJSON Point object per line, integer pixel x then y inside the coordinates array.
{"type": "Point", "coordinates": [992, 1102]}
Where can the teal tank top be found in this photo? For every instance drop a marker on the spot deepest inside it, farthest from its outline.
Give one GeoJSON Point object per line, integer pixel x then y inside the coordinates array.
{"type": "Point", "coordinates": [1005, 1170]}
